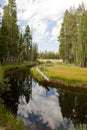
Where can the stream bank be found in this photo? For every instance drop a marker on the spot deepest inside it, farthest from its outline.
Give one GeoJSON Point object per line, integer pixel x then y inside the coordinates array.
{"type": "Point", "coordinates": [7, 119]}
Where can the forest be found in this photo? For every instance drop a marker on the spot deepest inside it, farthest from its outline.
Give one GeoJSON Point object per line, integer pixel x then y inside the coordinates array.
{"type": "Point", "coordinates": [15, 46]}
{"type": "Point", "coordinates": [73, 36]}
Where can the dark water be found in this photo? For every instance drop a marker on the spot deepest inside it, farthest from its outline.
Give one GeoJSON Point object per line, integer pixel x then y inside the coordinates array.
{"type": "Point", "coordinates": [45, 107]}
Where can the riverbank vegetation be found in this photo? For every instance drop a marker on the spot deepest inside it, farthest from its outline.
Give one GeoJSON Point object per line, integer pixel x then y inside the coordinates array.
{"type": "Point", "coordinates": [9, 68]}
{"type": "Point", "coordinates": [8, 121]}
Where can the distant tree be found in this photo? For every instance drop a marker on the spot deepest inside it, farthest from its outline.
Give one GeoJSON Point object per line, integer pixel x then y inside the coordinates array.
{"type": "Point", "coordinates": [48, 55]}
{"type": "Point", "coordinates": [34, 52]}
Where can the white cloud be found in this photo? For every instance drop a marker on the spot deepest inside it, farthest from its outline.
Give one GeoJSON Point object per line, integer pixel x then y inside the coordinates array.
{"type": "Point", "coordinates": [54, 33]}
{"type": "Point", "coordinates": [38, 27]}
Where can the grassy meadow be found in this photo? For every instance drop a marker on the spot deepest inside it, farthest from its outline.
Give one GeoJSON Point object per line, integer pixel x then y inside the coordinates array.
{"type": "Point", "coordinates": [66, 74]}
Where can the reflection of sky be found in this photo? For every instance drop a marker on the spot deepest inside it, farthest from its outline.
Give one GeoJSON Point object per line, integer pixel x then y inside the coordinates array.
{"type": "Point", "coordinates": [42, 109]}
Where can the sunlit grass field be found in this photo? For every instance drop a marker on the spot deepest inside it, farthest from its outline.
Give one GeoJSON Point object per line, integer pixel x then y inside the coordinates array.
{"type": "Point", "coordinates": [68, 73]}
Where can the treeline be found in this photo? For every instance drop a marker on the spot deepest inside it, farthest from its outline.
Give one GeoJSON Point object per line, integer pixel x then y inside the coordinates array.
{"type": "Point", "coordinates": [15, 46]}
{"type": "Point", "coordinates": [73, 36]}
{"type": "Point", "coordinates": [48, 55]}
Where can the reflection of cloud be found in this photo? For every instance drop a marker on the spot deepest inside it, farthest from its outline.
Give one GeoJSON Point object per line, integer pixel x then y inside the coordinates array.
{"type": "Point", "coordinates": [43, 103]}
{"type": "Point", "coordinates": [67, 124]}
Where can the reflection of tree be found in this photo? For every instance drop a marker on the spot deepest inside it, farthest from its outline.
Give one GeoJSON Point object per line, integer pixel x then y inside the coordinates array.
{"type": "Point", "coordinates": [27, 88]}
{"type": "Point", "coordinates": [21, 84]}
{"type": "Point", "coordinates": [73, 106]}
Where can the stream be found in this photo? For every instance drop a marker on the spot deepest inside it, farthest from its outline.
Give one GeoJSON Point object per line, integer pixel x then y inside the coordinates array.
{"type": "Point", "coordinates": [43, 107]}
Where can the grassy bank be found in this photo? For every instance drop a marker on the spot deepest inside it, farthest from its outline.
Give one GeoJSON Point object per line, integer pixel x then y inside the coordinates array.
{"type": "Point", "coordinates": [8, 121]}
{"type": "Point", "coordinates": [68, 75]}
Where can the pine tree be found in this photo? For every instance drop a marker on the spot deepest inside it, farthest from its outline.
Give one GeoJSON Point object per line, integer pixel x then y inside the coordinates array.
{"type": "Point", "coordinates": [83, 40]}
{"type": "Point", "coordinates": [67, 37]}
{"type": "Point", "coordinates": [80, 25]}
{"type": "Point", "coordinates": [34, 52]}
{"type": "Point", "coordinates": [21, 48]}
{"type": "Point", "coordinates": [28, 43]}
{"type": "Point", "coordinates": [10, 30]}
{"type": "Point", "coordinates": [73, 37]}
{"type": "Point", "coordinates": [3, 46]}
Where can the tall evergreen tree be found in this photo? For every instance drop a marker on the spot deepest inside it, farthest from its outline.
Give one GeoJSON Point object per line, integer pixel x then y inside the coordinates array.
{"type": "Point", "coordinates": [67, 37]}
{"type": "Point", "coordinates": [28, 43]}
{"type": "Point", "coordinates": [3, 46]}
{"type": "Point", "coordinates": [21, 48]}
{"type": "Point", "coordinates": [82, 41]}
{"type": "Point", "coordinates": [10, 29]}
{"type": "Point", "coordinates": [73, 37]}
{"type": "Point", "coordinates": [34, 52]}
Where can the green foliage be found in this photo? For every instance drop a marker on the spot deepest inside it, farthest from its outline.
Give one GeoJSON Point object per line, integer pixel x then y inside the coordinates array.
{"type": "Point", "coordinates": [34, 52]}
{"type": "Point", "coordinates": [14, 46]}
{"type": "Point", "coordinates": [8, 121]}
{"type": "Point", "coordinates": [36, 74]}
{"type": "Point", "coordinates": [10, 31]}
{"type": "Point", "coordinates": [3, 82]}
{"type": "Point", "coordinates": [73, 36]}
{"type": "Point", "coordinates": [82, 127]}
{"type": "Point", "coordinates": [28, 43]}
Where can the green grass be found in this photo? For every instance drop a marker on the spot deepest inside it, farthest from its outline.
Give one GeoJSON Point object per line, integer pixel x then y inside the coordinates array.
{"type": "Point", "coordinates": [82, 127]}
{"type": "Point", "coordinates": [68, 72]}
{"type": "Point", "coordinates": [8, 121]}
{"type": "Point", "coordinates": [65, 74]}
{"type": "Point", "coordinates": [36, 74]}
{"type": "Point", "coordinates": [17, 65]}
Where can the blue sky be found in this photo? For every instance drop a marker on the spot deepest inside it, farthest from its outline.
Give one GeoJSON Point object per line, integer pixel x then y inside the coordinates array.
{"type": "Point", "coordinates": [44, 18]}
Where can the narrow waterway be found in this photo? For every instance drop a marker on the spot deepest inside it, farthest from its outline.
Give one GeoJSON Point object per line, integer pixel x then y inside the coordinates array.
{"type": "Point", "coordinates": [45, 107]}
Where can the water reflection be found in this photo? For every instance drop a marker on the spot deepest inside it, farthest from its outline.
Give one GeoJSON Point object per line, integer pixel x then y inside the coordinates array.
{"type": "Point", "coordinates": [74, 106]}
{"type": "Point", "coordinates": [20, 84]}
{"type": "Point", "coordinates": [42, 107]}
